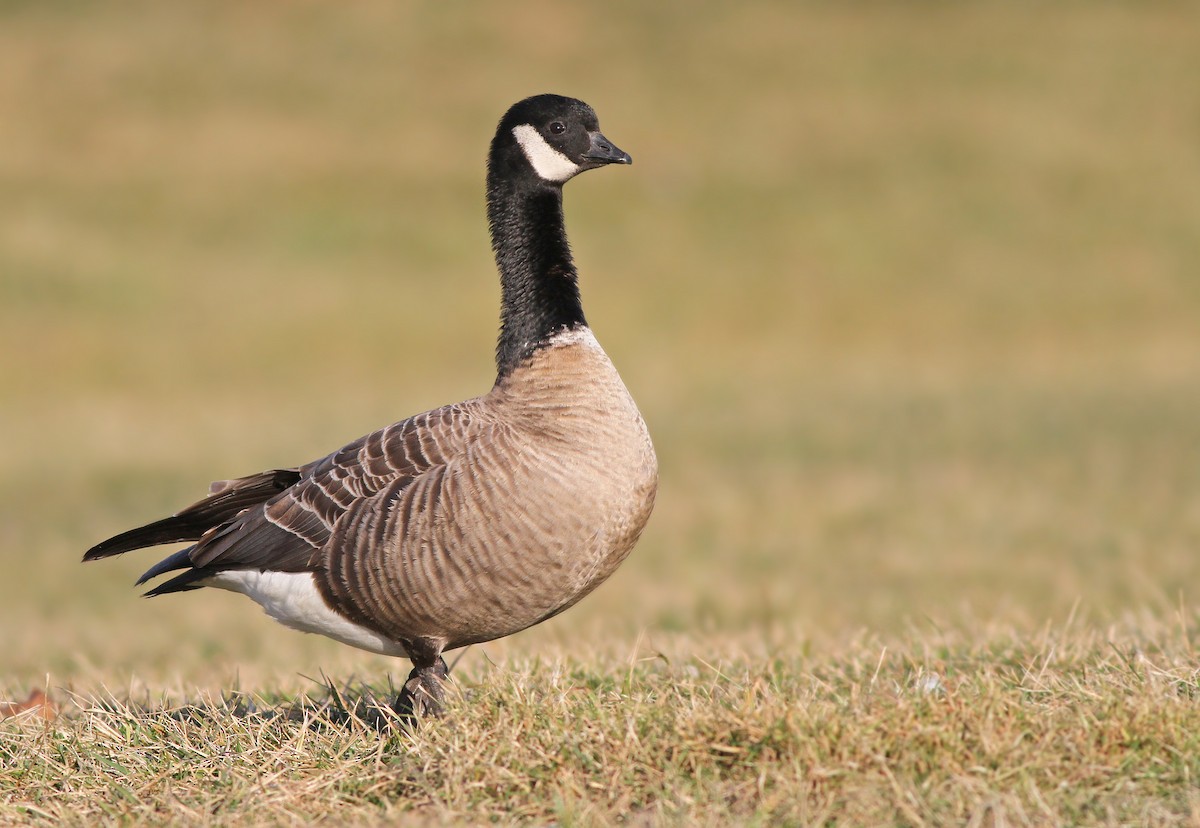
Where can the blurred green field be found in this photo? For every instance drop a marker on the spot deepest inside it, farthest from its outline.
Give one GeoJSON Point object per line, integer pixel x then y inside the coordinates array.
{"type": "Point", "coordinates": [909, 295]}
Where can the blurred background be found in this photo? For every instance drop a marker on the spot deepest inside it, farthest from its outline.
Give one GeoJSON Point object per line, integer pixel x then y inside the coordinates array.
{"type": "Point", "coordinates": [909, 295]}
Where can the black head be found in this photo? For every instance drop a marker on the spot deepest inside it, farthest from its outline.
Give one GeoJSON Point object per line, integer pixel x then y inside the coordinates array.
{"type": "Point", "coordinates": [551, 138]}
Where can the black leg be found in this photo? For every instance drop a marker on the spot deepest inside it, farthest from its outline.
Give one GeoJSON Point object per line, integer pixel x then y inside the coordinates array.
{"type": "Point", "coordinates": [424, 692]}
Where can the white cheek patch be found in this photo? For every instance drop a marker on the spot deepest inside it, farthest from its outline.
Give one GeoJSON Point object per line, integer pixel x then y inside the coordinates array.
{"type": "Point", "coordinates": [546, 161]}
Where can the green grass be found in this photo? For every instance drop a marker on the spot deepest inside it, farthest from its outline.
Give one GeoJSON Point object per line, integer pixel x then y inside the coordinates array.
{"type": "Point", "coordinates": [907, 293]}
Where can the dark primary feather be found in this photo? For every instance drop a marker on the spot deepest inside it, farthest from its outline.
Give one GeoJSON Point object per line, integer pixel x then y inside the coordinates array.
{"type": "Point", "coordinates": [180, 560]}
{"type": "Point", "coordinates": [180, 583]}
{"type": "Point", "coordinates": [229, 497]}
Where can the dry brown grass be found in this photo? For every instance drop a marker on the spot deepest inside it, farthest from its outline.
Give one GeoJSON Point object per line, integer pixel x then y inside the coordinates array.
{"type": "Point", "coordinates": [986, 726]}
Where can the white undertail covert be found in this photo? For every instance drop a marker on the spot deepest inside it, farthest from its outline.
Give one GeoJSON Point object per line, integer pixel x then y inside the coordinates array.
{"type": "Point", "coordinates": [292, 599]}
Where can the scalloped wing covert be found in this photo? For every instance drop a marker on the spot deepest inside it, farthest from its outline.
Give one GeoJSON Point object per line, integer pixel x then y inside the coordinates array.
{"type": "Point", "coordinates": [285, 533]}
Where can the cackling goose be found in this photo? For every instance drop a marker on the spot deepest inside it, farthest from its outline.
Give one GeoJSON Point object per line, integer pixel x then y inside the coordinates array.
{"type": "Point", "coordinates": [472, 521]}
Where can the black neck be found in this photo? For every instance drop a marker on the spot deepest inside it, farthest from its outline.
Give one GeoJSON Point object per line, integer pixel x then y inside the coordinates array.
{"type": "Point", "coordinates": [539, 285]}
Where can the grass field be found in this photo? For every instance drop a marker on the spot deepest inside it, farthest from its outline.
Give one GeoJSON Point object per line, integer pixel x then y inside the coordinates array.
{"type": "Point", "coordinates": [909, 295]}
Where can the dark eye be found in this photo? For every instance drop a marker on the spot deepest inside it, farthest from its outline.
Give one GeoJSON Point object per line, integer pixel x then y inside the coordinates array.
{"type": "Point", "coordinates": [557, 127]}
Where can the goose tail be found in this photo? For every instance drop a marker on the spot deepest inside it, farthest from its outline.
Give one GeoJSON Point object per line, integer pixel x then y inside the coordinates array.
{"type": "Point", "coordinates": [226, 500]}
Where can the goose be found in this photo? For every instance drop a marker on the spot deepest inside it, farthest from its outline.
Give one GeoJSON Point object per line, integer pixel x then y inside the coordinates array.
{"type": "Point", "coordinates": [472, 521]}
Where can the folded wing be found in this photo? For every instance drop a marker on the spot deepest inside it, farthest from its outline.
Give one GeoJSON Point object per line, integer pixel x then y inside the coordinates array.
{"type": "Point", "coordinates": [277, 520]}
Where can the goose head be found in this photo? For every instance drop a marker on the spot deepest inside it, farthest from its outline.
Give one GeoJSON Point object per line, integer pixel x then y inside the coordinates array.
{"type": "Point", "coordinates": [550, 138]}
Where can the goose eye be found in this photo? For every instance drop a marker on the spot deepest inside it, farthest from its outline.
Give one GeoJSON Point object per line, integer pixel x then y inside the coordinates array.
{"type": "Point", "coordinates": [558, 128]}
